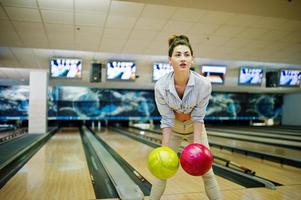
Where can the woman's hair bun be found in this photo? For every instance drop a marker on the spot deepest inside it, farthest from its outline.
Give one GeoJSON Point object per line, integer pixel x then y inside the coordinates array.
{"type": "Point", "coordinates": [177, 37]}
{"type": "Point", "coordinates": [176, 40]}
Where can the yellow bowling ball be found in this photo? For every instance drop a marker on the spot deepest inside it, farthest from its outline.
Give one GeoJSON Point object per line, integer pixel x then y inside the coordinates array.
{"type": "Point", "coordinates": [163, 162]}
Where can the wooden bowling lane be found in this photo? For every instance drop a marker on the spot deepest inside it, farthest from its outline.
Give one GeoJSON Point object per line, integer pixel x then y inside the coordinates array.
{"type": "Point", "coordinates": [282, 128]}
{"type": "Point", "coordinates": [283, 174]}
{"type": "Point", "coordinates": [57, 171]}
{"type": "Point", "coordinates": [257, 129]}
{"type": "Point", "coordinates": [283, 192]}
{"type": "Point", "coordinates": [289, 176]}
{"type": "Point", "coordinates": [281, 151]}
{"type": "Point", "coordinates": [255, 139]}
{"type": "Point", "coordinates": [181, 186]}
{"type": "Point", "coordinates": [257, 133]}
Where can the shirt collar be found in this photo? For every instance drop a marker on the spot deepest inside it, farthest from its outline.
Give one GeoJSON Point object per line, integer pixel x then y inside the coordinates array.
{"type": "Point", "coordinates": [172, 87]}
{"type": "Point", "coordinates": [191, 80]}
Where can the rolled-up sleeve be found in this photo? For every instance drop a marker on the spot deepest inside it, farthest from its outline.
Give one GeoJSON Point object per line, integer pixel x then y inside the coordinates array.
{"type": "Point", "coordinates": [167, 114]}
{"type": "Point", "coordinates": [199, 111]}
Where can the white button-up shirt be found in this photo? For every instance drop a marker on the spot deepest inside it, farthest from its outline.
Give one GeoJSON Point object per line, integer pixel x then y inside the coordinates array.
{"type": "Point", "coordinates": [194, 101]}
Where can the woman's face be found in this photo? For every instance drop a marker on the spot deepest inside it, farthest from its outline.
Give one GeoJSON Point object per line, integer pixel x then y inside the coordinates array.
{"type": "Point", "coordinates": [181, 58]}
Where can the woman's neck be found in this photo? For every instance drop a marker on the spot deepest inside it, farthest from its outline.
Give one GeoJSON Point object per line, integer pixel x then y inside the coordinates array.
{"type": "Point", "coordinates": [181, 79]}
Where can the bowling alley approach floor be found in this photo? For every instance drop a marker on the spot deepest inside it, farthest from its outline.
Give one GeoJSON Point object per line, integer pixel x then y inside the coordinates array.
{"type": "Point", "coordinates": [59, 170]}
{"type": "Point", "coordinates": [185, 187]}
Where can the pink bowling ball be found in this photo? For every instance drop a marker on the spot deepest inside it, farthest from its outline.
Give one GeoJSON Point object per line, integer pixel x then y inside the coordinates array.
{"type": "Point", "coordinates": [196, 159]}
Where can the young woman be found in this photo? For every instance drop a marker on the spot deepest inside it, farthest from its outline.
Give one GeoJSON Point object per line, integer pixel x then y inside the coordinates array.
{"type": "Point", "coordinates": [181, 98]}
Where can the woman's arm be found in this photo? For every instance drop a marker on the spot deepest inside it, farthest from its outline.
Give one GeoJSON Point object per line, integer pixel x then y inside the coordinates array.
{"type": "Point", "coordinates": [198, 114]}
{"type": "Point", "coordinates": [165, 136]}
{"type": "Point", "coordinates": [198, 128]}
{"type": "Point", "coordinates": [167, 114]}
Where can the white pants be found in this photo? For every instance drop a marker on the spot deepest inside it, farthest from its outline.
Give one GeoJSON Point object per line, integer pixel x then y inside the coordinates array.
{"type": "Point", "coordinates": [176, 138]}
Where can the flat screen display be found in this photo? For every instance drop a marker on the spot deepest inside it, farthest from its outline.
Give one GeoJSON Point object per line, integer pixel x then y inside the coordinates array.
{"type": "Point", "coordinates": [250, 76]}
{"type": "Point", "coordinates": [121, 70]}
{"type": "Point", "coordinates": [160, 69]}
{"type": "Point", "coordinates": [216, 74]}
{"type": "Point", "coordinates": [290, 78]}
{"type": "Point", "coordinates": [65, 68]}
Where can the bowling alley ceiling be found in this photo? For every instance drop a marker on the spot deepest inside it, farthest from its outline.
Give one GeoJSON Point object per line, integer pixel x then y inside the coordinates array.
{"type": "Point", "coordinates": [33, 31]}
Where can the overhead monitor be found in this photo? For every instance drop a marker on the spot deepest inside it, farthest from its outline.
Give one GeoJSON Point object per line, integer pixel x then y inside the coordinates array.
{"type": "Point", "coordinates": [250, 75]}
{"type": "Point", "coordinates": [290, 78]}
{"type": "Point", "coordinates": [121, 70]}
{"type": "Point", "coordinates": [66, 68]}
{"type": "Point", "coordinates": [216, 74]}
{"type": "Point", "coordinates": [160, 69]}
